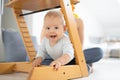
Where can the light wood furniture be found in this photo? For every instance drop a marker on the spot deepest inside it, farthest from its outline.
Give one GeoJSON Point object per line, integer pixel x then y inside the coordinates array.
{"type": "Point", "coordinates": [46, 72]}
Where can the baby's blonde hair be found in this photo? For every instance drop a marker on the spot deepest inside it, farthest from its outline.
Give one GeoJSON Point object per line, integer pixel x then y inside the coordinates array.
{"type": "Point", "coordinates": [54, 14]}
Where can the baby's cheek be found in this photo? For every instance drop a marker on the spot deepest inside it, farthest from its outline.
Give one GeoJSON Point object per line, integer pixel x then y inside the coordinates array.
{"type": "Point", "coordinates": [47, 36]}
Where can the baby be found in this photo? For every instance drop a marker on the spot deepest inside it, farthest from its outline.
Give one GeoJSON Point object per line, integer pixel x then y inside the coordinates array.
{"type": "Point", "coordinates": [55, 43]}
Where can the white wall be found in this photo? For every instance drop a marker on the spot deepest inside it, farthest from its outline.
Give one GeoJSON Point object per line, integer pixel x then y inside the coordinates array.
{"type": "Point", "coordinates": [106, 12]}
{"type": "Point", "coordinates": [37, 25]}
{"type": "Point", "coordinates": [92, 28]}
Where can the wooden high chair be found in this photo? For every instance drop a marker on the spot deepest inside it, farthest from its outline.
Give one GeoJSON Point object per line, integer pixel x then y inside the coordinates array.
{"type": "Point", "coordinates": [46, 72]}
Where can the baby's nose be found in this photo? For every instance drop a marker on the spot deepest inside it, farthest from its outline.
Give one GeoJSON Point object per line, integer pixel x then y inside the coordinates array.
{"type": "Point", "coordinates": [52, 30]}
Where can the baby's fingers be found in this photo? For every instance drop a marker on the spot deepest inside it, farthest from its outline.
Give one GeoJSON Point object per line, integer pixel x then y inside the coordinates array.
{"type": "Point", "coordinates": [36, 64]}
{"type": "Point", "coordinates": [56, 65]}
{"type": "Point", "coordinates": [52, 64]}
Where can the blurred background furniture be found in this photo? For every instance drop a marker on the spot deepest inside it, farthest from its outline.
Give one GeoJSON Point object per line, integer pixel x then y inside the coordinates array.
{"type": "Point", "coordinates": [14, 47]}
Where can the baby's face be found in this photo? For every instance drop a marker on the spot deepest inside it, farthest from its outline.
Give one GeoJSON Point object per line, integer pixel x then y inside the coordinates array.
{"type": "Point", "coordinates": [54, 28]}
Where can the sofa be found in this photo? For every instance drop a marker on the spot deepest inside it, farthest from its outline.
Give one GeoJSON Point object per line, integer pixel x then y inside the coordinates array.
{"type": "Point", "coordinates": [14, 47]}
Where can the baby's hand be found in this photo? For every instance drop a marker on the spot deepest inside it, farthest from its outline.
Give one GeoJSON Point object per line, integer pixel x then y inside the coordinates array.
{"type": "Point", "coordinates": [55, 64]}
{"type": "Point", "coordinates": [37, 62]}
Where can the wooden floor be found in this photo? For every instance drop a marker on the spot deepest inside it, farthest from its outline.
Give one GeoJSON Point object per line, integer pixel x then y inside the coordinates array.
{"type": "Point", "coordinates": [106, 69]}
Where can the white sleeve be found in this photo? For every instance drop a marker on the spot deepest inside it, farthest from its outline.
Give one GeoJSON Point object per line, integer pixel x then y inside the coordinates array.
{"type": "Point", "coordinates": [41, 50]}
{"type": "Point", "coordinates": [68, 48]}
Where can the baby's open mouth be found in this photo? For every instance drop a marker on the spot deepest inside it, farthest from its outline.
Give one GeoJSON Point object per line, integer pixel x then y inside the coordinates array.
{"type": "Point", "coordinates": [53, 36]}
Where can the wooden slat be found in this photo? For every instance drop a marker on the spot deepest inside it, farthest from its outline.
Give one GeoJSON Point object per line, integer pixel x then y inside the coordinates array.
{"type": "Point", "coordinates": [24, 32]}
{"type": "Point", "coordinates": [32, 54]}
{"type": "Point", "coordinates": [34, 5]}
{"type": "Point", "coordinates": [21, 19]}
{"type": "Point", "coordinates": [22, 25]}
{"type": "Point", "coordinates": [72, 29]}
{"type": "Point", "coordinates": [6, 68]}
{"type": "Point", "coordinates": [26, 35]}
{"type": "Point", "coordinates": [30, 49]}
{"type": "Point", "coordinates": [28, 44]}
{"type": "Point", "coordinates": [27, 39]}
{"type": "Point", "coordinates": [17, 11]}
{"type": "Point", "coordinates": [16, 66]}
{"type": "Point", "coordinates": [23, 67]}
{"type": "Point", "coordinates": [64, 73]}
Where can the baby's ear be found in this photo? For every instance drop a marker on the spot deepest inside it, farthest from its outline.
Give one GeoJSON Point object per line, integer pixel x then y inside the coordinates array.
{"type": "Point", "coordinates": [65, 28]}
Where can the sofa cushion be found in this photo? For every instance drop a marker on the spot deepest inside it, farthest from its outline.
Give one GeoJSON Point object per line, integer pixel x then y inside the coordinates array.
{"type": "Point", "coordinates": [14, 47]}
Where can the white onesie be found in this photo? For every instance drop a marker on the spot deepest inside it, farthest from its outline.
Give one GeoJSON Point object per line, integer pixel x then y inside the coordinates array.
{"type": "Point", "coordinates": [63, 46]}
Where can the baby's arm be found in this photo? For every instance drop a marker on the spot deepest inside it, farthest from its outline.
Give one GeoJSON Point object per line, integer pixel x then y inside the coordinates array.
{"type": "Point", "coordinates": [64, 59]}
{"type": "Point", "coordinates": [40, 54]}
{"type": "Point", "coordinates": [37, 62]}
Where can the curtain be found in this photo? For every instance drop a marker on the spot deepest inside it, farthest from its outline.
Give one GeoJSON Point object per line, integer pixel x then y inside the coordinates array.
{"type": "Point", "coordinates": [1, 6]}
{"type": "Point", "coordinates": [1, 43]}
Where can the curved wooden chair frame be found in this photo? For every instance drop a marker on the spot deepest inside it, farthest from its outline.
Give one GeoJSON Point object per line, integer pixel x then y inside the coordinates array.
{"type": "Point", "coordinates": [40, 73]}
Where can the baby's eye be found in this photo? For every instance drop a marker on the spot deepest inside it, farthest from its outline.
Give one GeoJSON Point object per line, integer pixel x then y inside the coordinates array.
{"type": "Point", "coordinates": [56, 27]}
{"type": "Point", "coordinates": [47, 28]}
